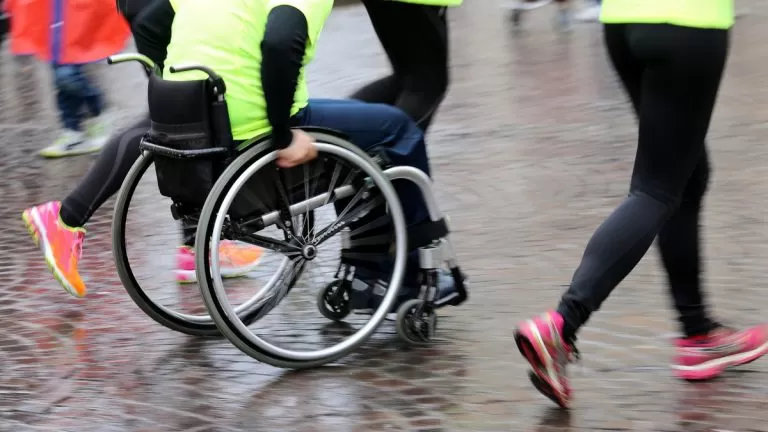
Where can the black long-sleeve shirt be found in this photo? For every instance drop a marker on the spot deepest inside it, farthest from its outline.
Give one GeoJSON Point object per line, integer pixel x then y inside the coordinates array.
{"type": "Point", "coordinates": [283, 48]}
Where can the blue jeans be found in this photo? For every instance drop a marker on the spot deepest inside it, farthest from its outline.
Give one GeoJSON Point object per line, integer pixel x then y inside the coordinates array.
{"type": "Point", "coordinates": [73, 92]}
{"type": "Point", "coordinates": [379, 126]}
{"type": "Point", "coordinates": [387, 129]}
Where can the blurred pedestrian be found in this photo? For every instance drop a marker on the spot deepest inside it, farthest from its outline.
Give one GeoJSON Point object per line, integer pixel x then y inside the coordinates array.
{"type": "Point", "coordinates": [670, 56]}
{"type": "Point", "coordinates": [70, 35]}
{"type": "Point", "coordinates": [562, 18]}
{"type": "Point", "coordinates": [590, 12]}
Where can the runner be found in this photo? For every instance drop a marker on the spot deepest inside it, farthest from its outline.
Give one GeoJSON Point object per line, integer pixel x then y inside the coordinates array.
{"type": "Point", "coordinates": [670, 56]}
{"type": "Point", "coordinates": [414, 34]}
{"type": "Point", "coordinates": [58, 226]}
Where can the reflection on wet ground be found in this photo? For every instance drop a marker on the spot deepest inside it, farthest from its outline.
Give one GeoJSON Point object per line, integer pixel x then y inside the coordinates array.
{"type": "Point", "coordinates": [532, 148]}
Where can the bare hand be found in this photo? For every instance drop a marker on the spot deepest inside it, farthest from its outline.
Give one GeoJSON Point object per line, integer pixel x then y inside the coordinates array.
{"type": "Point", "coordinates": [301, 150]}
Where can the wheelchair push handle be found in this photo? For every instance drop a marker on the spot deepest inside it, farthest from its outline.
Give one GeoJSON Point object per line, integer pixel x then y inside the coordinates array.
{"type": "Point", "coordinates": [213, 76]}
{"type": "Point", "coordinates": [145, 61]}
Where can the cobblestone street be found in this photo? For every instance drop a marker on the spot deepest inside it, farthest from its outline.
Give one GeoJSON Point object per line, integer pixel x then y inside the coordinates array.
{"type": "Point", "coordinates": [531, 150]}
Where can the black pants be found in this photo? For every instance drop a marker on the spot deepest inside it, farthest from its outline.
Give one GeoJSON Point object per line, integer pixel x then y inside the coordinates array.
{"type": "Point", "coordinates": [5, 23]}
{"type": "Point", "coordinates": [415, 38]}
{"type": "Point", "coordinates": [672, 75]}
{"type": "Point", "coordinates": [105, 176]}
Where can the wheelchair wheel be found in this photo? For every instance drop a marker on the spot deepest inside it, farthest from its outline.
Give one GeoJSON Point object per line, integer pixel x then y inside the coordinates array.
{"type": "Point", "coordinates": [415, 322]}
{"type": "Point", "coordinates": [181, 309]}
{"type": "Point", "coordinates": [343, 186]}
{"type": "Point", "coordinates": [333, 300]}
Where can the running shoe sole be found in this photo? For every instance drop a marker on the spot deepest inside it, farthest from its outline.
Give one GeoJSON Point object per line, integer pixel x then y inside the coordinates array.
{"type": "Point", "coordinates": [37, 231]}
{"type": "Point", "coordinates": [542, 364]}
{"type": "Point", "coordinates": [713, 368]}
{"type": "Point", "coordinates": [55, 154]}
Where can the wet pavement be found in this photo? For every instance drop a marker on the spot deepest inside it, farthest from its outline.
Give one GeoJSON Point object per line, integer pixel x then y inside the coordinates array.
{"type": "Point", "coordinates": [532, 148]}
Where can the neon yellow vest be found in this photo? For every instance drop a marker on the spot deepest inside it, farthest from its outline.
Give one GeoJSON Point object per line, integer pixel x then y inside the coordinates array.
{"type": "Point", "coordinates": [226, 36]}
{"type": "Point", "coordinates": [714, 14]}
{"type": "Point", "coordinates": [448, 3]}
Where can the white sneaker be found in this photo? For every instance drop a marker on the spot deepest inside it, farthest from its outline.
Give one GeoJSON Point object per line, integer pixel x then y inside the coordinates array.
{"type": "Point", "coordinates": [98, 131]}
{"type": "Point", "coordinates": [588, 14]}
{"type": "Point", "coordinates": [69, 143]}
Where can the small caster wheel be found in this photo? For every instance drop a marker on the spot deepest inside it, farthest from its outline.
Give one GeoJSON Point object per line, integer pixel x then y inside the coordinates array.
{"type": "Point", "coordinates": [416, 323]}
{"type": "Point", "coordinates": [333, 300]}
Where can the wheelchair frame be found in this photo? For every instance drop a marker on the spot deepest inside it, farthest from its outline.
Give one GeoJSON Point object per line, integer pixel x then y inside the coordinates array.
{"type": "Point", "coordinates": [434, 249]}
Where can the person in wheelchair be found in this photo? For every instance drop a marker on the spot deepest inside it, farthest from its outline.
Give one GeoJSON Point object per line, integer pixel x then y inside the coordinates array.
{"type": "Point", "coordinates": [264, 71]}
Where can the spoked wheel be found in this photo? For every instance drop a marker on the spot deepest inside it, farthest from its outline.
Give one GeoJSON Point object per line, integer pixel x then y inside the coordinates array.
{"type": "Point", "coordinates": [145, 240]}
{"type": "Point", "coordinates": [264, 204]}
{"type": "Point", "coordinates": [416, 323]}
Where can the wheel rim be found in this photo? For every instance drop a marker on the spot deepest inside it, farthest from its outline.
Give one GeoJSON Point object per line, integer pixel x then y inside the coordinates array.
{"type": "Point", "coordinates": [216, 298]}
{"type": "Point", "coordinates": [134, 288]}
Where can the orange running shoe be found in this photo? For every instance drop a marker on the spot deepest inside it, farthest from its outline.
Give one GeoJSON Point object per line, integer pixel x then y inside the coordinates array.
{"type": "Point", "coordinates": [235, 259]}
{"type": "Point", "coordinates": [61, 245]}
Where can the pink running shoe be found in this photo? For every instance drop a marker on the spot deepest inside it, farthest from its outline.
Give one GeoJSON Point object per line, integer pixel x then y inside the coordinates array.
{"type": "Point", "coordinates": [62, 246]}
{"type": "Point", "coordinates": [235, 259]}
{"type": "Point", "coordinates": [540, 341]}
{"type": "Point", "coordinates": [706, 357]}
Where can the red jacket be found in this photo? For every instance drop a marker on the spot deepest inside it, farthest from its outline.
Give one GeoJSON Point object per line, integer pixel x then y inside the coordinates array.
{"type": "Point", "coordinates": [66, 31]}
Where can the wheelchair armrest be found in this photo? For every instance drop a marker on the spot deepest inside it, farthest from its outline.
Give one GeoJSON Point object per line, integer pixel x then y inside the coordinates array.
{"type": "Point", "coordinates": [316, 129]}
{"type": "Point", "coordinates": [183, 154]}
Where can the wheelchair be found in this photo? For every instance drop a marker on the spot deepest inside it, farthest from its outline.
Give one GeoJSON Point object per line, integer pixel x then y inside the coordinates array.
{"type": "Point", "coordinates": [343, 204]}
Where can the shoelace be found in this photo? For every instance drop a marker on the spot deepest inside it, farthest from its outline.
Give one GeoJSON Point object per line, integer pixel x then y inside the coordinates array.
{"type": "Point", "coordinates": [77, 249]}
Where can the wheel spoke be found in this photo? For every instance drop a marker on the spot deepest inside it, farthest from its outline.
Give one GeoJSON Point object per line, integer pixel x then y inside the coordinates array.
{"type": "Point", "coordinates": [346, 216]}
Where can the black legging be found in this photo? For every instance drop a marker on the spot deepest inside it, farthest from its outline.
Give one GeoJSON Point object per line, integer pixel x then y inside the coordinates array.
{"type": "Point", "coordinates": [672, 75]}
{"type": "Point", "coordinates": [105, 176]}
{"type": "Point", "coordinates": [415, 38]}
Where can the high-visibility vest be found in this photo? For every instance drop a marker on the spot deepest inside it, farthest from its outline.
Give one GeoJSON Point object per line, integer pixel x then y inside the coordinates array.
{"type": "Point", "coordinates": [714, 14]}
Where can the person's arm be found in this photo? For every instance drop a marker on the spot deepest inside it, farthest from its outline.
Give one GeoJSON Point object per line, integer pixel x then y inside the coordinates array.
{"type": "Point", "coordinates": [152, 30]}
{"type": "Point", "coordinates": [282, 49]}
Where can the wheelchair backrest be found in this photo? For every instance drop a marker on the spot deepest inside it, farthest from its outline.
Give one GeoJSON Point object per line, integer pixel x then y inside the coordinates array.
{"type": "Point", "coordinates": [190, 136]}
{"type": "Point", "coordinates": [180, 110]}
